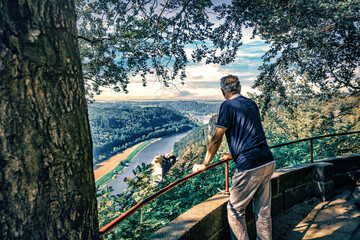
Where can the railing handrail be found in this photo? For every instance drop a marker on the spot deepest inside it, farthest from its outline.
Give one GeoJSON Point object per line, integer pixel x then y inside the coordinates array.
{"type": "Point", "coordinates": [129, 212]}
{"type": "Point", "coordinates": [313, 138]}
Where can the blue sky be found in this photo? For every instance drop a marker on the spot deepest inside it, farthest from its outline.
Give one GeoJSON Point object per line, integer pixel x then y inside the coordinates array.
{"type": "Point", "coordinates": [202, 80]}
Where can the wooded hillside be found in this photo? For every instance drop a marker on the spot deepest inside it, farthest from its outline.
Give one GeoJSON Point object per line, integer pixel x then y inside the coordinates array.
{"type": "Point", "coordinates": [116, 127]}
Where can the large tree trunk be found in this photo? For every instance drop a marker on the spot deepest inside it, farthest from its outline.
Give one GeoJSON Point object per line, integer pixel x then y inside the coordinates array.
{"type": "Point", "coordinates": [46, 178]}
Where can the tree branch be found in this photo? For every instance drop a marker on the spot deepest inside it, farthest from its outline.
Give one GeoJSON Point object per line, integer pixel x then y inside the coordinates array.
{"type": "Point", "coordinates": [162, 10]}
{"type": "Point", "coordinates": [346, 84]}
{"type": "Point", "coordinates": [94, 40]}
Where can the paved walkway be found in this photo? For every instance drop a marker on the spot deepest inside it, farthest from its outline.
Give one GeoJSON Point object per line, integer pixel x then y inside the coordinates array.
{"type": "Point", "coordinates": [337, 219]}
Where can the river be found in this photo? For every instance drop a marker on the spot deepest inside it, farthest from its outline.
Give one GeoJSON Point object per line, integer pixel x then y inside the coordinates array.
{"type": "Point", "coordinates": [163, 146]}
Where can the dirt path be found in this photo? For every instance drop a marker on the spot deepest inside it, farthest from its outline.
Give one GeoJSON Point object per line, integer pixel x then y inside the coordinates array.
{"type": "Point", "coordinates": [110, 164]}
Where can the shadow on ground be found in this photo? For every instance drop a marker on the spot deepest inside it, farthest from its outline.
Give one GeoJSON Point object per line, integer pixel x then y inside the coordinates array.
{"type": "Point", "coordinates": [337, 218]}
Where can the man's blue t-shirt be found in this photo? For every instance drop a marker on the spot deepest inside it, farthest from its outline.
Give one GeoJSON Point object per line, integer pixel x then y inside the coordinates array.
{"type": "Point", "coordinates": [244, 133]}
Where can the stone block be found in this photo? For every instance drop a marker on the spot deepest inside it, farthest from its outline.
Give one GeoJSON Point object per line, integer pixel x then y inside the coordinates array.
{"type": "Point", "coordinates": [343, 164]}
{"type": "Point", "coordinates": [345, 179]}
{"type": "Point", "coordinates": [323, 172]}
{"type": "Point", "coordinates": [274, 185]}
{"type": "Point", "coordinates": [203, 221]}
{"type": "Point", "coordinates": [209, 225]}
{"type": "Point", "coordinates": [277, 204]}
{"type": "Point", "coordinates": [298, 194]}
{"type": "Point", "coordinates": [324, 191]}
{"type": "Point", "coordinates": [222, 234]}
{"type": "Point", "coordinates": [294, 176]}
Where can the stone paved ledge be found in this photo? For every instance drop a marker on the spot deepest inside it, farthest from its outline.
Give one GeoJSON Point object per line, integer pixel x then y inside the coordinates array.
{"type": "Point", "coordinates": [336, 219]}
{"type": "Point", "coordinates": [207, 220]}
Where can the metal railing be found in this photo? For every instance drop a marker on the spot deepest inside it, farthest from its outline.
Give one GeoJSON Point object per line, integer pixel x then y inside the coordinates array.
{"type": "Point", "coordinates": [128, 213]}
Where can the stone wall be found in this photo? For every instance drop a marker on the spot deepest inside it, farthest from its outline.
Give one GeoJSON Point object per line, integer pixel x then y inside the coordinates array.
{"type": "Point", "coordinates": [290, 186]}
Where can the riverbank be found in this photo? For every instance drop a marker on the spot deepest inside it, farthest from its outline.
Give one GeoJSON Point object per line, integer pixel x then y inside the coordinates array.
{"type": "Point", "coordinates": [163, 146]}
{"type": "Point", "coordinates": [108, 165]}
{"type": "Point", "coordinates": [117, 163]}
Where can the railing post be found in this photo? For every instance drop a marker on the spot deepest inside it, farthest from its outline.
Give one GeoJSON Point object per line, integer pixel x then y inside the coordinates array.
{"type": "Point", "coordinates": [227, 179]}
{"type": "Point", "coordinates": [311, 151]}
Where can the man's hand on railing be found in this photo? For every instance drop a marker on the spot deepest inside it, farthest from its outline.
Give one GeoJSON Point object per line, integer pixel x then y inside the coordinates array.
{"type": "Point", "coordinates": [199, 167]}
{"type": "Point", "coordinates": [225, 156]}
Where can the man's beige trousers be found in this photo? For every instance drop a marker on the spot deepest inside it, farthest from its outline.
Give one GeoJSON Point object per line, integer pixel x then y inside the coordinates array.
{"type": "Point", "coordinates": [253, 184]}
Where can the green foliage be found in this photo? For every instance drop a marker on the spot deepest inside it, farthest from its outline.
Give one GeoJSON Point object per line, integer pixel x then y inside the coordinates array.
{"type": "Point", "coordinates": [197, 136]}
{"type": "Point", "coordinates": [110, 206]}
{"type": "Point", "coordinates": [116, 127]}
{"type": "Point", "coordinates": [119, 39]}
{"type": "Point", "coordinates": [165, 208]}
{"type": "Point", "coordinates": [314, 46]}
{"type": "Point", "coordinates": [170, 205]}
{"type": "Point", "coordinates": [309, 117]}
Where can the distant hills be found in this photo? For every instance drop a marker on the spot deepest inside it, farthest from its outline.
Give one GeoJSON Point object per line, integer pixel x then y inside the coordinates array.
{"type": "Point", "coordinates": [190, 107]}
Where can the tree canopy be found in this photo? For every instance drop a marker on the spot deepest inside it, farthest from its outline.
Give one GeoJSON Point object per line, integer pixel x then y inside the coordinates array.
{"type": "Point", "coordinates": [127, 38]}
{"type": "Point", "coordinates": [314, 45]}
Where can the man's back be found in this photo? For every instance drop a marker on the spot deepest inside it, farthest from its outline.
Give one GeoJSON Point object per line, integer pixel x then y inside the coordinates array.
{"type": "Point", "coordinates": [241, 117]}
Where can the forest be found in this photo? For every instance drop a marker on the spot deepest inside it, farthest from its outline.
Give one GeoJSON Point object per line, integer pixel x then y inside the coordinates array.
{"type": "Point", "coordinates": [203, 107]}
{"type": "Point", "coordinates": [115, 127]}
{"type": "Point", "coordinates": [189, 107]}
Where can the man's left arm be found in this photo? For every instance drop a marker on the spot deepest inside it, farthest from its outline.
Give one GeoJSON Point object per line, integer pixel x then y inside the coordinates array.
{"type": "Point", "coordinates": [214, 145]}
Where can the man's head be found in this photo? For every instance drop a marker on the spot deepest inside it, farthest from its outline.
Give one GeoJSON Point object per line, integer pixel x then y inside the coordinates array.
{"type": "Point", "coordinates": [230, 85]}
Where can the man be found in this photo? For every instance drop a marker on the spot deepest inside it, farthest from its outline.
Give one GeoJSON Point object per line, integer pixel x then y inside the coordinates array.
{"type": "Point", "coordinates": [239, 119]}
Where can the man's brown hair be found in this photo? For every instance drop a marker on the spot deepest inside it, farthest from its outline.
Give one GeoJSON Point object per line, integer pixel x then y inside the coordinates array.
{"type": "Point", "coordinates": [230, 84]}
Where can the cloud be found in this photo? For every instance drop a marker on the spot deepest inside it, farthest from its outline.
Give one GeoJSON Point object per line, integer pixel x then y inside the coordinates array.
{"type": "Point", "coordinates": [205, 84]}
{"type": "Point", "coordinates": [244, 54]}
{"type": "Point", "coordinates": [183, 94]}
{"type": "Point", "coordinates": [202, 79]}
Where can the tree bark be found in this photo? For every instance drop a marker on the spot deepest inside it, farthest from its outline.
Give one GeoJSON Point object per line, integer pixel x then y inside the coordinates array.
{"type": "Point", "coordinates": [46, 175]}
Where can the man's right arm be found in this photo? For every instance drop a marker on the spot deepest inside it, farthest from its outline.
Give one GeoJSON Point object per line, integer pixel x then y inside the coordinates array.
{"type": "Point", "coordinates": [214, 145]}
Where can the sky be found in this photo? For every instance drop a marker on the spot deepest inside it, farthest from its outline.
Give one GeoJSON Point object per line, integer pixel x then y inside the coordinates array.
{"type": "Point", "coordinates": [202, 81]}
